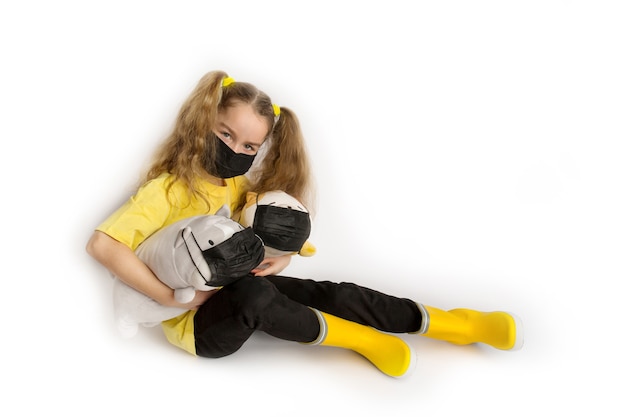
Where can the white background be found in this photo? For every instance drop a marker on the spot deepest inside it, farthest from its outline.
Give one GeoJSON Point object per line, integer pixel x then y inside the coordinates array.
{"type": "Point", "coordinates": [467, 154]}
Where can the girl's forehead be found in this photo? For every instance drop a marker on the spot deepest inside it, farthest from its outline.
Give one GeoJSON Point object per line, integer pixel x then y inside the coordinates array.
{"type": "Point", "coordinates": [243, 120]}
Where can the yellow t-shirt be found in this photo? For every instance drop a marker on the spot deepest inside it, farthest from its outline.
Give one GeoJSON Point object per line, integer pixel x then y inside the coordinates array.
{"type": "Point", "coordinates": [150, 209]}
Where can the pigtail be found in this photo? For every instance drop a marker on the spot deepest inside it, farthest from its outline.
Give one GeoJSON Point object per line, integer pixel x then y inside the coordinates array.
{"type": "Point", "coordinates": [286, 166]}
{"type": "Point", "coordinates": [186, 151]}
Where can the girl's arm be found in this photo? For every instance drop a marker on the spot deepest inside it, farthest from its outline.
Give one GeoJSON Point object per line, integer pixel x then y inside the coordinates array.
{"type": "Point", "coordinates": [122, 262]}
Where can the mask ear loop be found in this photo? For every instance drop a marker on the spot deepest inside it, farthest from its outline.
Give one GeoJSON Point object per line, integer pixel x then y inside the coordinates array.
{"type": "Point", "coordinates": [191, 255]}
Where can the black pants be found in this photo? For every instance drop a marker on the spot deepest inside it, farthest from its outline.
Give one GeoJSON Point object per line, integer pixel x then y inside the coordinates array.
{"type": "Point", "coordinates": [280, 305]}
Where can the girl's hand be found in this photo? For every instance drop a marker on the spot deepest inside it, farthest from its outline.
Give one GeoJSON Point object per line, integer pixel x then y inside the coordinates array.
{"type": "Point", "coordinates": [272, 266]}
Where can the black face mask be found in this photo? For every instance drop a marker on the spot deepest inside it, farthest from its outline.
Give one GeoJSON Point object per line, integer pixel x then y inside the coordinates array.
{"type": "Point", "coordinates": [282, 228]}
{"type": "Point", "coordinates": [229, 164]}
{"type": "Point", "coordinates": [234, 258]}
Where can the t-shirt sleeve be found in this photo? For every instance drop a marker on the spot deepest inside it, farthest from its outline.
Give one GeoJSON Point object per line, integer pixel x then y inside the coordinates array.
{"type": "Point", "coordinates": [138, 218]}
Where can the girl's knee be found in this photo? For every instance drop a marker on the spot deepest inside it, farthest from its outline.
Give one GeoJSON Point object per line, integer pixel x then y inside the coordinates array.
{"type": "Point", "coordinates": [251, 295]}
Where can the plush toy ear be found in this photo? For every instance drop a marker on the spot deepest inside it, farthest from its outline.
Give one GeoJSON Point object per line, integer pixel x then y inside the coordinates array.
{"type": "Point", "coordinates": [224, 211]}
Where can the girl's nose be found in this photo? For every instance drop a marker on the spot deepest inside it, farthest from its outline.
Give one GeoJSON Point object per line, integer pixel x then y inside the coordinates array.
{"type": "Point", "coordinates": [233, 146]}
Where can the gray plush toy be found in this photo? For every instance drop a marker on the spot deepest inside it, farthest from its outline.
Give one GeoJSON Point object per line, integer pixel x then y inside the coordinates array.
{"type": "Point", "coordinates": [207, 252]}
{"type": "Point", "coordinates": [198, 253]}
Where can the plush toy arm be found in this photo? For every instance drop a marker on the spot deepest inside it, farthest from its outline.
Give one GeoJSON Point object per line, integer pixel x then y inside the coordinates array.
{"type": "Point", "coordinates": [184, 295]}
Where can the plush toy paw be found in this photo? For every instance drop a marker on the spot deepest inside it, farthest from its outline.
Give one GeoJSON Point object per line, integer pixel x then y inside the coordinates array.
{"type": "Point", "coordinates": [308, 249]}
{"type": "Point", "coordinates": [184, 295]}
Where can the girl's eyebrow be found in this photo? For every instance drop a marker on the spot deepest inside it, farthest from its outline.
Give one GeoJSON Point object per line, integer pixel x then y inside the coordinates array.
{"type": "Point", "coordinates": [258, 145]}
{"type": "Point", "coordinates": [233, 133]}
{"type": "Point", "coordinates": [222, 125]}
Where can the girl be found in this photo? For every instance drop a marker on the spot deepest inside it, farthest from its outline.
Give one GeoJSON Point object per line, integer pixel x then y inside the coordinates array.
{"type": "Point", "coordinates": [218, 134]}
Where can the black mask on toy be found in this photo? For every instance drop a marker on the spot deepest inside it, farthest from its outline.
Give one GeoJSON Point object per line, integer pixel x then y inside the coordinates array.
{"type": "Point", "coordinates": [282, 228]}
{"type": "Point", "coordinates": [234, 258]}
{"type": "Point", "coordinates": [229, 164]}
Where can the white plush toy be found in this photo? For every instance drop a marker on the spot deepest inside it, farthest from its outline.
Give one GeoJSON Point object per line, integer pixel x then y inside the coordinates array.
{"type": "Point", "coordinates": [207, 252]}
{"type": "Point", "coordinates": [198, 253]}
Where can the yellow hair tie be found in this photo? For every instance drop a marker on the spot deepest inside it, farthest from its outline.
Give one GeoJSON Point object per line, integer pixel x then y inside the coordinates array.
{"type": "Point", "coordinates": [227, 81]}
{"type": "Point", "coordinates": [276, 110]}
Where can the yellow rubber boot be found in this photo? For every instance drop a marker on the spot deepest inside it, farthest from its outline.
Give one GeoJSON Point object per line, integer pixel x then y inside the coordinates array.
{"type": "Point", "coordinates": [463, 327]}
{"type": "Point", "coordinates": [390, 354]}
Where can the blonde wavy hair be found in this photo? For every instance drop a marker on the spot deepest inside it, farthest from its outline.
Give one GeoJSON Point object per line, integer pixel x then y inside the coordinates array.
{"type": "Point", "coordinates": [283, 165]}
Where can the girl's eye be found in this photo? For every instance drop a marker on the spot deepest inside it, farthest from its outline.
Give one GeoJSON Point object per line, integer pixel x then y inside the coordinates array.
{"type": "Point", "coordinates": [226, 135]}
